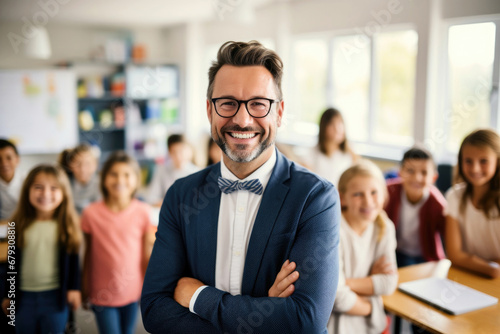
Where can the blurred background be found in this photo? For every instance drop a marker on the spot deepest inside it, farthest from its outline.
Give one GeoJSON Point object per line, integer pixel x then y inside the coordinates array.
{"type": "Point", "coordinates": [400, 71]}
{"type": "Point", "coordinates": [125, 75]}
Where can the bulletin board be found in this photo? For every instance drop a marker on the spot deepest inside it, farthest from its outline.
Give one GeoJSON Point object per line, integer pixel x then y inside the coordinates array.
{"type": "Point", "coordinates": [38, 109]}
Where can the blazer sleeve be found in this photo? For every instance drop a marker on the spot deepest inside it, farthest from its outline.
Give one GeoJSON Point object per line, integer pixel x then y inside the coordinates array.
{"type": "Point", "coordinates": [168, 263]}
{"type": "Point", "coordinates": [315, 250]}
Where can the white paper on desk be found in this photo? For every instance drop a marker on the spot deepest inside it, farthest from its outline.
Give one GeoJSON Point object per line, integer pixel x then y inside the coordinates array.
{"type": "Point", "coordinates": [3, 231]}
{"type": "Point", "coordinates": [447, 295]}
{"type": "Point", "coordinates": [442, 268]}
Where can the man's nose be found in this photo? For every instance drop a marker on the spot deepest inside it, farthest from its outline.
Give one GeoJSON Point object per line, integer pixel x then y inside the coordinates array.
{"type": "Point", "coordinates": [242, 117]}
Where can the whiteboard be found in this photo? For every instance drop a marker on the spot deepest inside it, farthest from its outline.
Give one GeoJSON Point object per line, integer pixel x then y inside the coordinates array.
{"type": "Point", "coordinates": [38, 109]}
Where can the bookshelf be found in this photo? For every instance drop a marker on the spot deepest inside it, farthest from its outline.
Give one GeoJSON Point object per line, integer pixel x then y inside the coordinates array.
{"type": "Point", "coordinates": [133, 108]}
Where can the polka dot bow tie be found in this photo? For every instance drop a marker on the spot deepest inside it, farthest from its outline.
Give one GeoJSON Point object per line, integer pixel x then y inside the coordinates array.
{"type": "Point", "coordinates": [228, 186]}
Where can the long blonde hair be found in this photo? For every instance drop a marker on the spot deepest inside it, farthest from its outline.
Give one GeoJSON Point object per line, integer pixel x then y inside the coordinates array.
{"type": "Point", "coordinates": [65, 215]}
{"type": "Point", "coordinates": [366, 168]}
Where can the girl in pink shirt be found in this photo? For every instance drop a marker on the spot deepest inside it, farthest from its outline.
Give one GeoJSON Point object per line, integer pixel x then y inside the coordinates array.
{"type": "Point", "coordinates": [117, 230]}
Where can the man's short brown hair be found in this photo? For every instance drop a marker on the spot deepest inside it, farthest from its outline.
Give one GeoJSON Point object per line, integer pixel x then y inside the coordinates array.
{"type": "Point", "coordinates": [247, 54]}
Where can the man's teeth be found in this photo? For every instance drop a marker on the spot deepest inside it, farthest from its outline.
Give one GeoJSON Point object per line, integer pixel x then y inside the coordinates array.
{"type": "Point", "coordinates": [242, 135]}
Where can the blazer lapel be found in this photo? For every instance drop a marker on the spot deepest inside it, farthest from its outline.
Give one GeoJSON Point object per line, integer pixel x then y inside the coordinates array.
{"type": "Point", "coordinates": [206, 231]}
{"type": "Point", "coordinates": [272, 200]}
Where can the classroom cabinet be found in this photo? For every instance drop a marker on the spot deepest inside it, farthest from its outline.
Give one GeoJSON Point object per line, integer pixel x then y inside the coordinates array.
{"type": "Point", "coordinates": [133, 109]}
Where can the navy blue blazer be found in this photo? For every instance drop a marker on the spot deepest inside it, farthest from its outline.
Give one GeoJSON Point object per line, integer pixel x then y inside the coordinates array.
{"type": "Point", "coordinates": [298, 219]}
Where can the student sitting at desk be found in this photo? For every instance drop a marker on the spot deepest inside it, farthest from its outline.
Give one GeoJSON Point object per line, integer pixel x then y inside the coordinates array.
{"type": "Point", "coordinates": [473, 212]}
{"type": "Point", "coordinates": [416, 207]}
{"type": "Point", "coordinates": [367, 253]}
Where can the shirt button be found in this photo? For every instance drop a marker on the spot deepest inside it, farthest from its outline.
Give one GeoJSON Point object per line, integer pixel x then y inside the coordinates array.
{"type": "Point", "coordinates": [241, 209]}
{"type": "Point", "coordinates": [237, 253]}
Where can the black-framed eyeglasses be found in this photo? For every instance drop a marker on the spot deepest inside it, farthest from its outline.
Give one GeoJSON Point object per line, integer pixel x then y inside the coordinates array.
{"type": "Point", "coordinates": [227, 107]}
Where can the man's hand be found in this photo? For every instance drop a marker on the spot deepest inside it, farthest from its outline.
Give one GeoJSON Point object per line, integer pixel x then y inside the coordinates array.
{"type": "Point", "coordinates": [185, 289]}
{"type": "Point", "coordinates": [381, 266]}
{"type": "Point", "coordinates": [283, 285]}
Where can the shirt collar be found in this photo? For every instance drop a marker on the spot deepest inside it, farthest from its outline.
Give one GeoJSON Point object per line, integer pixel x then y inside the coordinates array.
{"type": "Point", "coordinates": [263, 173]}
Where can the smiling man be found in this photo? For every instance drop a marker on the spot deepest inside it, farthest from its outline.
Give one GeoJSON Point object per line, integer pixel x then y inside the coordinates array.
{"type": "Point", "coordinates": [231, 236]}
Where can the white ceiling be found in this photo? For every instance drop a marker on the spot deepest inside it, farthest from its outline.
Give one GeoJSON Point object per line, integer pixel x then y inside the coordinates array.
{"type": "Point", "coordinates": [125, 12]}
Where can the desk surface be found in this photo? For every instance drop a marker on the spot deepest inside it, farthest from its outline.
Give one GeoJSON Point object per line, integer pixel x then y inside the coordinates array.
{"type": "Point", "coordinates": [486, 320]}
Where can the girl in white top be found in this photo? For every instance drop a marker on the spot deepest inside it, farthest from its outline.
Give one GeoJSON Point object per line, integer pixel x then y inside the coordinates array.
{"type": "Point", "coordinates": [332, 155]}
{"type": "Point", "coordinates": [367, 253]}
{"type": "Point", "coordinates": [473, 212]}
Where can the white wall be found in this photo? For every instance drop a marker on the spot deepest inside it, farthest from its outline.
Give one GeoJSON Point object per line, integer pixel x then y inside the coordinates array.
{"type": "Point", "coordinates": [77, 42]}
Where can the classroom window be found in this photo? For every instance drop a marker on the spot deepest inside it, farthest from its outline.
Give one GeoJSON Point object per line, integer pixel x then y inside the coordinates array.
{"type": "Point", "coordinates": [394, 87]}
{"type": "Point", "coordinates": [309, 79]}
{"type": "Point", "coordinates": [351, 83]}
{"type": "Point", "coordinates": [371, 80]}
{"type": "Point", "coordinates": [471, 52]}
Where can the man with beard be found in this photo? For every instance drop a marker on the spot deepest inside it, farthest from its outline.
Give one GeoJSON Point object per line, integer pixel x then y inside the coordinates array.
{"type": "Point", "coordinates": [231, 236]}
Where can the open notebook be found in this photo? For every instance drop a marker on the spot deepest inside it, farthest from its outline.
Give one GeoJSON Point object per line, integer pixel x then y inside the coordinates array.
{"type": "Point", "coordinates": [447, 295]}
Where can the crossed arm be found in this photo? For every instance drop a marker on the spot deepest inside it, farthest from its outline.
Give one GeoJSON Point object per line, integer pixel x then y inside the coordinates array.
{"type": "Point", "coordinates": [363, 287]}
{"type": "Point", "coordinates": [355, 296]}
{"type": "Point", "coordinates": [283, 285]}
{"type": "Point", "coordinates": [167, 292]}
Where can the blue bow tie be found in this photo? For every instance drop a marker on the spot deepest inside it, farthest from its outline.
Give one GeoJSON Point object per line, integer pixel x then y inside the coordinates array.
{"type": "Point", "coordinates": [228, 186]}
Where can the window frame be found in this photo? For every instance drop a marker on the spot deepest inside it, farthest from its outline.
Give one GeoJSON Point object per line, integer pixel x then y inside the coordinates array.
{"type": "Point", "coordinates": [368, 148]}
{"type": "Point", "coordinates": [446, 155]}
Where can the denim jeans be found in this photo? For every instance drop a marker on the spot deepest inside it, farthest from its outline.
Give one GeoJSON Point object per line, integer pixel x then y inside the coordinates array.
{"type": "Point", "coordinates": [116, 320]}
{"type": "Point", "coordinates": [39, 312]}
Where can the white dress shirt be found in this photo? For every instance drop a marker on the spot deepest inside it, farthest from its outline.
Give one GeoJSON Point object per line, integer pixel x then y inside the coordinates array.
{"type": "Point", "coordinates": [237, 213]}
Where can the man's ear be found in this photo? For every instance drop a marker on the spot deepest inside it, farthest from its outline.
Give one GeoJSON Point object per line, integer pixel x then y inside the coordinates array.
{"type": "Point", "coordinates": [279, 111]}
{"type": "Point", "coordinates": [209, 111]}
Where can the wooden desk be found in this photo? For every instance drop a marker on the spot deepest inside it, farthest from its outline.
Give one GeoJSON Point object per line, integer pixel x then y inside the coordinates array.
{"type": "Point", "coordinates": [486, 320]}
